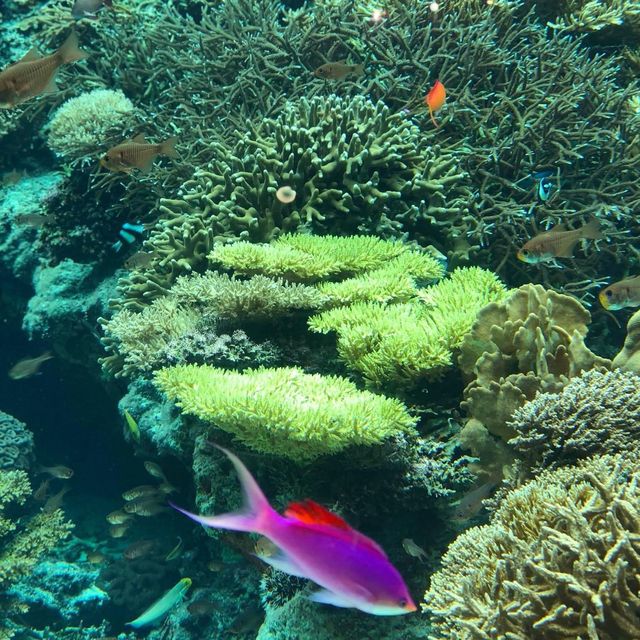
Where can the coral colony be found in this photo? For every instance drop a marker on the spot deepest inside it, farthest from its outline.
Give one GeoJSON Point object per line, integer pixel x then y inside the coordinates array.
{"type": "Point", "coordinates": [354, 284]}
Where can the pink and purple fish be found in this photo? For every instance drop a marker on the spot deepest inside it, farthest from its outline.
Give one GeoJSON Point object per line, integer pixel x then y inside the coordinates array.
{"type": "Point", "coordinates": [316, 544]}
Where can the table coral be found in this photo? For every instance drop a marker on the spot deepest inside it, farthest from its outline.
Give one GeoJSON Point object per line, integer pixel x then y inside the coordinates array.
{"type": "Point", "coordinates": [404, 344]}
{"type": "Point", "coordinates": [597, 412]}
{"type": "Point", "coordinates": [559, 560]}
{"type": "Point", "coordinates": [285, 411]}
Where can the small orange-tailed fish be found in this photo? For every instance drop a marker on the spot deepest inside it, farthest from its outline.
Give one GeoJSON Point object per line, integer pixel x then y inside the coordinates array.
{"type": "Point", "coordinates": [137, 154]}
{"type": "Point", "coordinates": [435, 99]}
{"type": "Point", "coordinates": [557, 242]}
{"type": "Point", "coordinates": [622, 294]}
{"type": "Point", "coordinates": [28, 367]}
{"type": "Point", "coordinates": [35, 74]}
{"type": "Point", "coordinates": [338, 70]}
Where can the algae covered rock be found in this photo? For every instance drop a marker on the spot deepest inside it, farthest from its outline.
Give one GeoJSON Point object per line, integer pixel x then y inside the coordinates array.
{"type": "Point", "coordinates": [559, 559]}
{"type": "Point", "coordinates": [285, 411]}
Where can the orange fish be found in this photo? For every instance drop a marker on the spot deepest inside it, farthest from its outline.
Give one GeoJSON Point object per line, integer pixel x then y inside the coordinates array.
{"type": "Point", "coordinates": [35, 74]}
{"type": "Point", "coordinates": [557, 242]}
{"type": "Point", "coordinates": [337, 70]}
{"type": "Point", "coordinates": [619, 295]}
{"type": "Point", "coordinates": [137, 154]}
{"type": "Point", "coordinates": [435, 99]}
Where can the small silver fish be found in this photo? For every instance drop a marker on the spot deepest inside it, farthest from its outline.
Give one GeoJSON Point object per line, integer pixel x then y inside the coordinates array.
{"type": "Point", "coordinates": [89, 8]}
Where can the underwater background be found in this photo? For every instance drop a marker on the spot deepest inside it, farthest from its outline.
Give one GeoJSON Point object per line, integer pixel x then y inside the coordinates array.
{"type": "Point", "coordinates": [385, 252]}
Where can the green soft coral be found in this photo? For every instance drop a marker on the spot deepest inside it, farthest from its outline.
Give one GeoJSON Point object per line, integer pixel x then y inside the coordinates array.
{"type": "Point", "coordinates": [405, 343]}
{"type": "Point", "coordinates": [285, 411]}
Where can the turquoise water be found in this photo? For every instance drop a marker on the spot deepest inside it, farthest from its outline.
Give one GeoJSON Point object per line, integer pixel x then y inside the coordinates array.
{"type": "Point", "coordinates": [383, 253]}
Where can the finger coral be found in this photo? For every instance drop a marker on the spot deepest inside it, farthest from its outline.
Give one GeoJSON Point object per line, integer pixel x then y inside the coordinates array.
{"type": "Point", "coordinates": [558, 560]}
{"type": "Point", "coordinates": [597, 412]}
{"type": "Point", "coordinates": [284, 411]}
{"type": "Point", "coordinates": [89, 123]}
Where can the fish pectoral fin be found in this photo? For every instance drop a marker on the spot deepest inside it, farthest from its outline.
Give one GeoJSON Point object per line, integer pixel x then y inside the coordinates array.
{"type": "Point", "coordinates": [147, 165]}
{"type": "Point", "coordinates": [283, 562]}
{"type": "Point", "coordinates": [325, 596]}
{"type": "Point", "coordinates": [565, 252]}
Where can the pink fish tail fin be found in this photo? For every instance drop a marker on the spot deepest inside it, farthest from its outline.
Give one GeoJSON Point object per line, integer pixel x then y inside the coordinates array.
{"type": "Point", "coordinates": [169, 147]}
{"type": "Point", "coordinates": [70, 51]}
{"type": "Point", "coordinates": [592, 229]}
{"type": "Point", "coordinates": [256, 512]}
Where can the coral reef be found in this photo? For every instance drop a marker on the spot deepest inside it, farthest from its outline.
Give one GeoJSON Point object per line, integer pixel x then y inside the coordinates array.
{"type": "Point", "coordinates": [285, 411]}
{"type": "Point", "coordinates": [16, 443]}
{"type": "Point", "coordinates": [24, 540]}
{"type": "Point", "coordinates": [597, 412]}
{"type": "Point", "coordinates": [557, 560]}
{"type": "Point", "coordinates": [407, 343]}
{"type": "Point", "coordinates": [89, 123]}
{"type": "Point", "coordinates": [531, 341]}
{"type": "Point", "coordinates": [67, 590]}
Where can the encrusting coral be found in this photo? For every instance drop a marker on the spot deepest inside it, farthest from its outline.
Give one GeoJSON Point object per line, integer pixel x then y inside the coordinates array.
{"type": "Point", "coordinates": [597, 412]}
{"type": "Point", "coordinates": [559, 560]}
{"type": "Point", "coordinates": [629, 356]}
{"type": "Point", "coordinates": [285, 411]}
{"type": "Point", "coordinates": [531, 341]}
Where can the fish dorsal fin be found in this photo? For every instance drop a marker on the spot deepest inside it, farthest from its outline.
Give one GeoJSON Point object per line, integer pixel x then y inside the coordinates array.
{"type": "Point", "coordinates": [31, 55]}
{"type": "Point", "coordinates": [311, 512]}
{"type": "Point", "coordinates": [140, 139]}
{"type": "Point", "coordinates": [559, 227]}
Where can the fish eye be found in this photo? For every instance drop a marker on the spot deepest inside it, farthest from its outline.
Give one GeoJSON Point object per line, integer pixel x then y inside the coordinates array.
{"type": "Point", "coordinates": [524, 252]}
{"type": "Point", "coordinates": [402, 603]}
{"type": "Point", "coordinates": [608, 293]}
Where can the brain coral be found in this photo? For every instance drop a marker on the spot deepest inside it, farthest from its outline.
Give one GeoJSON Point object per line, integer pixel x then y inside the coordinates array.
{"type": "Point", "coordinates": [16, 443]}
{"type": "Point", "coordinates": [90, 122]}
{"type": "Point", "coordinates": [285, 411]}
{"type": "Point", "coordinates": [560, 560]}
{"type": "Point", "coordinates": [597, 412]}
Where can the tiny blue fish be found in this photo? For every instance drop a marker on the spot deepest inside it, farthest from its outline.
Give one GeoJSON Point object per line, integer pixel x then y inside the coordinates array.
{"type": "Point", "coordinates": [543, 181]}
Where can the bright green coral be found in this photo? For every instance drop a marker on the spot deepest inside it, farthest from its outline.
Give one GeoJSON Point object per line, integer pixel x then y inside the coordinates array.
{"type": "Point", "coordinates": [285, 411]}
{"type": "Point", "coordinates": [405, 343]}
{"type": "Point", "coordinates": [559, 560]}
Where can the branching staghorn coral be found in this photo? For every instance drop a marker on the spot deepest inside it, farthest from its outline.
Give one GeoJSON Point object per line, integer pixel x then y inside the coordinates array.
{"type": "Point", "coordinates": [531, 341]}
{"type": "Point", "coordinates": [404, 344]}
{"type": "Point", "coordinates": [559, 560]}
{"type": "Point", "coordinates": [284, 411]}
{"type": "Point", "coordinates": [587, 16]}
